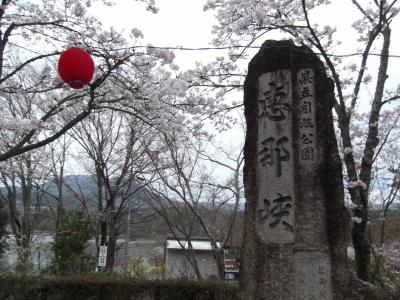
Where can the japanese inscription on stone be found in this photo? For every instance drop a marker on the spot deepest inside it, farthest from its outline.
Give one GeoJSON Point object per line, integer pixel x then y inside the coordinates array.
{"type": "Point", "coordinates": [294, 244]}
{"type": "Point", "coordinates": [312, 275]}
{"type": "Point", "coordinates": [275, 206]}
{"type": "Point", "coordinates": [305, 91]}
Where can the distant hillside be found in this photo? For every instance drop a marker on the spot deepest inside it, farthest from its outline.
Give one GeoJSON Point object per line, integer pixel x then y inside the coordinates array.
{"type": "Point", "coordinates": [76, 190]}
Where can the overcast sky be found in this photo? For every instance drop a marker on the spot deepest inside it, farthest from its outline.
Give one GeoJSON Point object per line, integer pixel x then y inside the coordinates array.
{"type": "Point", "coordinates": [184, 23]}
{"type": "Point", "coordinates": [178, 23]}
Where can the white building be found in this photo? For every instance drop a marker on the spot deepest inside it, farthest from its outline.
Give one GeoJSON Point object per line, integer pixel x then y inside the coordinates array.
{"type": "Point", "coordinates": [177, 264]}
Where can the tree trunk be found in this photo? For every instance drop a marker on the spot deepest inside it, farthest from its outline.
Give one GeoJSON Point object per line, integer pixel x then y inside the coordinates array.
{"type": "Point", "coordinates": [378, 259]}
{"type": "Point", "coordinates": [192, 260]}
{"type": "Point", "coordinates": [360, 231]}
{"type": "Point", "coordinates": [111, 246]}
{"type": "Point", "coordinates": [103, 233]}
{"type": "Point", "coordinates": [219, 259]}
{"type": "Point", "coordinates": [361, 244]}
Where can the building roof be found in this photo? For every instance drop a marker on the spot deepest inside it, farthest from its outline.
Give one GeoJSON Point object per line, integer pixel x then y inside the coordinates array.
{"type": "Point", "coordinates": [196, 244]}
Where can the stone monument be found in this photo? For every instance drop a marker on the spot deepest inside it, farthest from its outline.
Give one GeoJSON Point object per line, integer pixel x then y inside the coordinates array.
{"type": "Point", "coordinates": [295, 232]}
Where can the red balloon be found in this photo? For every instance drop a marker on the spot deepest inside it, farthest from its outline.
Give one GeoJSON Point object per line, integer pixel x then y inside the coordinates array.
{"type": "Point", "coordinates": [76, 67]}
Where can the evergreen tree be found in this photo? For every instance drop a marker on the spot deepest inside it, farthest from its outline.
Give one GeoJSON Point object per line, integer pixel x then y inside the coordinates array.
{"type": "Point", "coordinates": [70, 241]}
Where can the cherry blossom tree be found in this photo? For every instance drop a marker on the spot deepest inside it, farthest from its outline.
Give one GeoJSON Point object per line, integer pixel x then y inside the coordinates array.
{"type": "Point", "coordinates": [190, 197]}
{"type": "Point", "coordinates": [22, 177]}
{"type": "Point", "coordinates": [244, 22]}
{"type": "Point", "coordinates": [134, 80]}
{"type": "Point", "coordinates": [386, 184]}
{"type": "Point", "coordinates": [37, 108]}
{"type": "Point", "coordinates": [58, 152]}
{"type": "Point", "coordinates": [19, 176]}
{"type": "Point", "coordinates": [113, 152]}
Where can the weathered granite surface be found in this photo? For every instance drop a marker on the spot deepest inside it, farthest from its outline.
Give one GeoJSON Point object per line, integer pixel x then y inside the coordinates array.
{"type": "Point", "coordinates": [295, 234]}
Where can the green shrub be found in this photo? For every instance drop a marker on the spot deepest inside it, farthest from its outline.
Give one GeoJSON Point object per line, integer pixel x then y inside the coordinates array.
{"type": "Point", "coordinates": [142, 269]}
{"type": "Point", "coordinates": [70, 241]}
{"type": "Point", "coordinates": [89, 287]}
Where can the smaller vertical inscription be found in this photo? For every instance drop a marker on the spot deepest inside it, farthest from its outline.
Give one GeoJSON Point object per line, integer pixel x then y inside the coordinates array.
{"type": "Point", "coordinates": [312, 275]}
{"type": "Point", "coordinates": [306, 94]}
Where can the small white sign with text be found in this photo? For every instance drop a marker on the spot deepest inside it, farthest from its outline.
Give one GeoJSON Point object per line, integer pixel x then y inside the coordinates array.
{"type": "Point", "coordinates": [102, 256]}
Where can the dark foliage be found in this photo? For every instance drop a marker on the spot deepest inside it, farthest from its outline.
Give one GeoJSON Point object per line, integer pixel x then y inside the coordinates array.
{"type": "Point", "coordinates": [72, 288]}
{"type": "Point", "coordinates": [70, 241]}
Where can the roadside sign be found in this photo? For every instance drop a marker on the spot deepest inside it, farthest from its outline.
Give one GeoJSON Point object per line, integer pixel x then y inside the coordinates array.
{"type": "Point", "coordinates": [102, 256]}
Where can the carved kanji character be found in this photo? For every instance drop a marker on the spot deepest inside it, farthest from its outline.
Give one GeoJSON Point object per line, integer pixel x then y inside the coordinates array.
{"type": "Point", "coordinates": [306, 139]}
{"type": "Point", "coordinates": [307, 153]}
{"type": "Point", "coordinates": [274, 105]}
{"type": "Point", "coordinates": [305, 92]}
{"type": "Point", "coordinates": [277, 211]}
{"type": "Point", "coordinates": [306, 123]}
{"type": "Point", "coordinates": [305, 78]}
{"type": "Point", "coordinates": [306, 107]}
{"type": "Point", "coordinates": [273, 152]}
